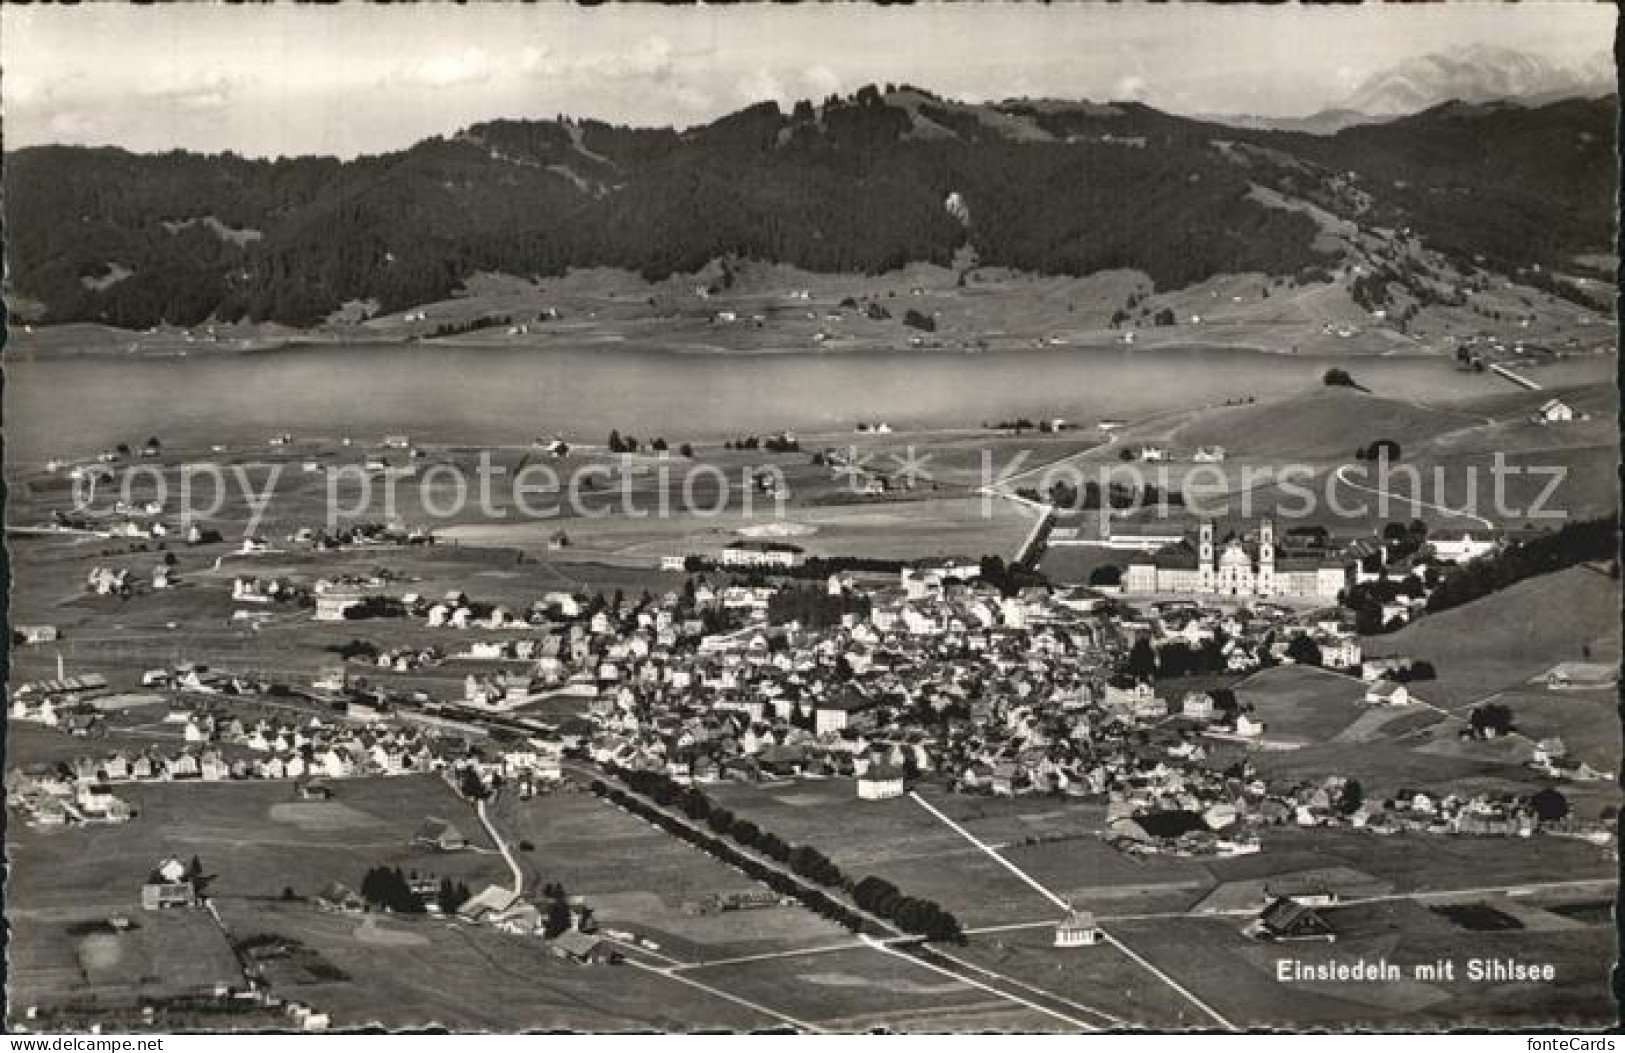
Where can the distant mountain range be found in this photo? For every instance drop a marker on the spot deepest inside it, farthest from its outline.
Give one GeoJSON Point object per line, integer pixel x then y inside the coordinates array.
{"type": "Point", "coordinates": [1479, 74]}
{"type": "Point", "coordinates": [1474, 75]}
{"type": "Point", "coordinates": [863, 183]}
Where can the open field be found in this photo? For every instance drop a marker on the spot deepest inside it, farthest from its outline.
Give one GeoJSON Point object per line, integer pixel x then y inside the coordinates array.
{"type": "Point", "coordinates": [249, 840]}
{"type": "Point", "coordinates": [466, 978]}
{"type": "Point", "coordinates": [862, 988]}
{"type": "Point", "coordinates": [1238, 976]}
{"type": "Point", "coordinates": [1100, 976]}
{"type": "Point", "coordinates": [995, 308]}
{"type": "Point", "coordinates": [894, 839]}
{"type": "Point", "coordinates": [1586, 721]}
{"type": "Point", "coordinates": [1282, 455]}
{"type": "Point", "coordinates": [1501, 641]}
{"type": "Point", "coordinates": [638, 878]}
{"type": "Point", "coordinates": [29, 744]}
{"type": "Point", "coordinates": [54, 954]}
{"type": "Point", "coordinates": [882, 529]}
{"type": "Point", "coordinates": [1388, 767]}
{"type": "Point", "coordinates": [1418, 863]}
{"type": "Point", "coordinates": [1302, 704]}
{"type": "Point", "coordinates": [1318, 425]}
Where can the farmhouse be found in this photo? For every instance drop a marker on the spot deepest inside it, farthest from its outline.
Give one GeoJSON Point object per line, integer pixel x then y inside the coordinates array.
{"type": "Point", "coordinates": [582, 949]}
{"type": "Point", "coordinates": [1307, 891]}
{"type": "Point", "coordinates": [1388, 693]}
{"type": "Point", "coordinates": [35, 634]}
{"type": "Point", "coordinates": [1289, 919]}
{"type": "Point", "coordinates": [167, 887]}
{"type": "Point", "coordinates": [1581, 676]}
{"type": "Point", "coordinates": [1379, 668]}
{"type": "Point", "coordinates": [1554, 411]}
{"type": "Point", "coordinates": [494, 900]}
{"type": "Point", "coordinates": [335, 605]}
{"type": "Point", "coordinates": [438, 834]}
{"type": "Point", "coordinates": [340, 898]}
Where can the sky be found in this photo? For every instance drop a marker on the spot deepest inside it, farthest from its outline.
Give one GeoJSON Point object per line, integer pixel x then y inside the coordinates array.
{"type": "Point", "coordinates": [347, 79]}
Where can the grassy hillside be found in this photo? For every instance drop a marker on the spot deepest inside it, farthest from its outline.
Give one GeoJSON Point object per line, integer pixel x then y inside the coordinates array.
{"type": "Point", "coordinates": [1324, 424]}
{"type": "Point", "coordinates": [854, 184]}
{"type": "Point", "coordinates": [1499, 642]}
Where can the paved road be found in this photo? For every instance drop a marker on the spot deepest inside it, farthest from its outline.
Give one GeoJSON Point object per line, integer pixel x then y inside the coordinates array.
{"type": "Point", "coordinates": [886, 948]}
{"type": "Point", "coordinates": [718, 992]}
{"type": "Point", "coordinates": [1167, 980]}
{"type": "Point", "coordinates": [909, 947]}
{"type": "Point", "coordinates": [1414, 502]}
{"type": "Point", "coordinates": [507, 855]}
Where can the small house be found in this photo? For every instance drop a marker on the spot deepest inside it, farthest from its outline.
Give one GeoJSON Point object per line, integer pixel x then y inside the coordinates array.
{"type": "Point", "coordinates": [1289, 919]}
{"type": "Point", "coordinates": [440, 835]}
{"type": "Point", "coordinates": [1077, 929]}
{"type": "Point", "coordinates": [1387, 693]}
{"type": "Point", "coordinates": [581, 948]}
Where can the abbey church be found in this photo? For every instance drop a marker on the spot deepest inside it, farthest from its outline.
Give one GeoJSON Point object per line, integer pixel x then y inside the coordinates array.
{"type": "Point", "coordinates": [1239, 568]}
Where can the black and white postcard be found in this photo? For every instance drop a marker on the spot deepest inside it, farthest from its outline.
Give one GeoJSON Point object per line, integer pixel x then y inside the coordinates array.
{"type": "Point", "coordinates": [818, 518]}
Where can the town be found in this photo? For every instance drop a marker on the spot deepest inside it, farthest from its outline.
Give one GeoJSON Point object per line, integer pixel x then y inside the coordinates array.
{"type": "Point", "coordinates": [1167, 705]}
{"type": "Point", "coordinates": [779, 519]}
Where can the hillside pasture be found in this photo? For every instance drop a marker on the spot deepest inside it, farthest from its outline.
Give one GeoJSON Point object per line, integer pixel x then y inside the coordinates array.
{"type": "Point", "coordinates": [249, 841]}
{"type": "Point", "coordinates": [1303, 704]}
{"type": "Point", "coordinates": [472, 979]}
{"type": "Point", "coordinates": [639, 878]}
{"type": "Point", "coordinates": [894, 839]}
{"type": "Point", "coordinates": [1501, 641]}
{"type": "Point", "coordinates": [61, 954]}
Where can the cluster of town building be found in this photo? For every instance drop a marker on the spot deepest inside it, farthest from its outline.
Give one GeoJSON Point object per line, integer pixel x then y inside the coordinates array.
{"type": "Point", "coordinates": [932, 671]}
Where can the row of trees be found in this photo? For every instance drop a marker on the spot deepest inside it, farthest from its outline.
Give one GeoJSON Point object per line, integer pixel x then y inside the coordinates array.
{"type": "Point", "coordinates": [619, 443]}
{"type": "Point", "coordinates": [780, 443]}
{"type": "Point", "coordinates": [918, 916]}
{"type": "Point", "coordinates": [1092, 495]}
{"type": "Point", "coordinates": [817, 901]}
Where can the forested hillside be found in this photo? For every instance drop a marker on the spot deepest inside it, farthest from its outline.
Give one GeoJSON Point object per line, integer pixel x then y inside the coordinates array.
{"type": "Point", "coordinates": [853, 184]}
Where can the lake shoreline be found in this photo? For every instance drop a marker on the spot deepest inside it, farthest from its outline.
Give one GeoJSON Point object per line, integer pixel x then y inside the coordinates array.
{"type": "Point", "coordinates": [129, 347]}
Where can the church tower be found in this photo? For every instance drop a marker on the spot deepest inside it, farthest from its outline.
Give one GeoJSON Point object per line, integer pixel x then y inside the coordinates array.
{"type": "Point", "coordinates": [1206, 565]}
{"type": "Point", "coordinates": [1266, 557]}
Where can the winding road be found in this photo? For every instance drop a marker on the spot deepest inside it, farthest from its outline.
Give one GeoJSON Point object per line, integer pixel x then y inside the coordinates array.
{"type": "Point", "coordinates": [1414, 502]}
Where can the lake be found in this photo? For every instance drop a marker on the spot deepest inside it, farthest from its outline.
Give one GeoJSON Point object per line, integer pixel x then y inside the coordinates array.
{"type": "Point", "coordinates": [74, 406]}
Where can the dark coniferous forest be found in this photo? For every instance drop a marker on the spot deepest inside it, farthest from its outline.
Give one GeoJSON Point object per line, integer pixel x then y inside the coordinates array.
{"type": "Point", "coordinates": [855, 184]}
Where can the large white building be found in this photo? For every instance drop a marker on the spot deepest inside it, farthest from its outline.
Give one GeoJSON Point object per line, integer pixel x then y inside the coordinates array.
{"type": "Point", "coordinates": [761, 554]}
{"type": "Point", "coordinates": [1238, 569]}
{"type": "Point", "coordinates": [1460, 550]}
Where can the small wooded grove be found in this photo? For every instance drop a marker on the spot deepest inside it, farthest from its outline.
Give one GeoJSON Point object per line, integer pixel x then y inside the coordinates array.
{"type": "Point", "coordinates": [1587, 541]}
